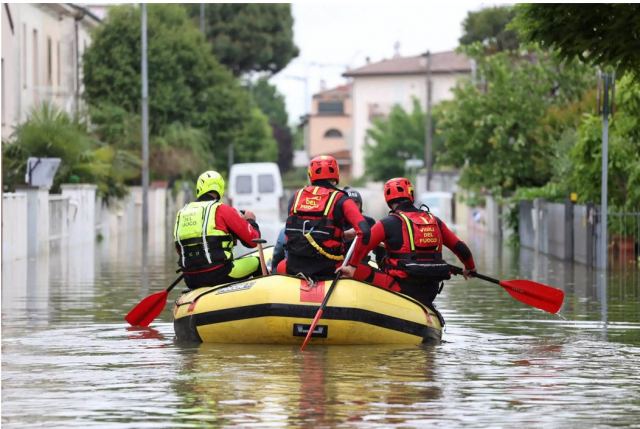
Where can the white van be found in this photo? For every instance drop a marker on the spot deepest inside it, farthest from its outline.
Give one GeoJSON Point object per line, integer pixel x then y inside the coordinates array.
{"type": "Point", "coordinates": [256, 186]}
{"type": "Point", "coordinates": [439, 203]}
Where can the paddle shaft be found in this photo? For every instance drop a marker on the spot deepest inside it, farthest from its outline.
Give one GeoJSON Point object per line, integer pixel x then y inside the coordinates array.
{"type": "Point", "coordinates": [458, 270]}
{"type": "Point", "coordinates": [175, 282]}
{"type": "Point", "coordinates": [316, 319]}
{"type": "Point", "coordinates": [263, 266]}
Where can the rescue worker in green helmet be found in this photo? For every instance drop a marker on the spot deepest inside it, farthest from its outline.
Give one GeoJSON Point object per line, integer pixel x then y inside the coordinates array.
{"type": "Point", "coordinates": [205, 233]}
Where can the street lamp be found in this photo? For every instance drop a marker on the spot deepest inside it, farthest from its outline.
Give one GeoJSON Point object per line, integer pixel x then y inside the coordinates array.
{"type": "Point", "coordinates": [428, 145]}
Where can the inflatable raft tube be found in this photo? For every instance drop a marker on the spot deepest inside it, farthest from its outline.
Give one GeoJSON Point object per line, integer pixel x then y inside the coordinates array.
{"type": "Point", "coordinates": [278, 309]}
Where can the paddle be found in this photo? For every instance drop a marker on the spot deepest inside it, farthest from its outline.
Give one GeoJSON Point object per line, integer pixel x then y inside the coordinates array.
{"type": "Point", "coordinates": [263, 265]}
{"type": "Point", "coordinates": [149, 308]}
{"type": "Point", "coordinates": [535, 294]}
{"type": "Point", "coordinates": [326, 297]}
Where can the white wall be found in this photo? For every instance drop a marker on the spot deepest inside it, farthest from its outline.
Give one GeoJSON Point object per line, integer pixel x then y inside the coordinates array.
{"type": "Point", "coordinates": [29, 76]}
{"type": "Point", "coordinates": [387, 91]}
{"type": "Point", "coordinates": [14, 226]}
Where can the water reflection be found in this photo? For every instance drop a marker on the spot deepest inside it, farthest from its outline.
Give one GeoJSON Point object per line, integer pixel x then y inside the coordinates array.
{"type": "Point", "coordinates": [245, 384]}
{"type": "Point", "coordinates": [66, 350]}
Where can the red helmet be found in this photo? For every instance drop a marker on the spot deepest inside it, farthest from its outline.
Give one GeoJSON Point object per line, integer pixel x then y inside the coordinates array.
{"type": "Point", "coordinates": [398, 187]}
{"type": "Point", "coordinates": [323, 167]}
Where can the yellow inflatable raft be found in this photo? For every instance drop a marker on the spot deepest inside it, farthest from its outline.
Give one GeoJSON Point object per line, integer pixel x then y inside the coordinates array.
{"type": "Point", "coordinates": [279, 309]}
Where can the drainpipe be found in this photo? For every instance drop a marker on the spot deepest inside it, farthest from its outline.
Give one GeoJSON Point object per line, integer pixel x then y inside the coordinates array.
{"type": "Point", "coordinates": [77, 18]}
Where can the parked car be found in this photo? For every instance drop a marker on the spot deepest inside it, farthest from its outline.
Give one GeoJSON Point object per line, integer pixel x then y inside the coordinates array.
{"type": "Point", "coordinates": [256, 186]}
{"type": "Point", "coordinates": [439, 203]}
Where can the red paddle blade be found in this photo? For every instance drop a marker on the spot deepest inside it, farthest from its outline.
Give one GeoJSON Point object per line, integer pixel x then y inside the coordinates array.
{"type": "Point", "coordinates": [147, 309]}
{"type": "Point", "coordinates": [312, 327]}
{"type": "Point", "coordinates": [535, 294]}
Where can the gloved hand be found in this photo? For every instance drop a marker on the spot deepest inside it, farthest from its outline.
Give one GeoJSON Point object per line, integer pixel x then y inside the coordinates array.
{"type": "Point", "coordinates": [248, 214]}
{"type": "Point", "coordinates": [350, 234]}
{"type": "Point", "coordinates": [347, 271]}
{"type": "Point", "coordinates": [468, 273]}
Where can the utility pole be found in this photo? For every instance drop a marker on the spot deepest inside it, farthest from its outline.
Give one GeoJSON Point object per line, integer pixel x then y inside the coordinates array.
{"type": "Point", "coordinates": [145, 150]}
{"type": "Point", "coordinates": [607, 84]}
{"type": "Point", "coordinates": [202, 20]}
{"type": "Point", "coordinates": [428, 149]}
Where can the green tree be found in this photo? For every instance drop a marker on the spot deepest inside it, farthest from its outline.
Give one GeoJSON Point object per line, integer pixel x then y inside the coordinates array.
{"type": "Point", "coordinates": [624, 152]}
{"type": "Point", "coordinates": [491, 131]}
{"type": "Point", "coordinates": [187, 85]}
{"type": "Point", "coordinates": [249, 36]}
{"type": "Point", "coordinates": [180, 152]}
{"type": "Point", "coordinates": [393, 140]}
{"type": "Point", "coordinates": [272, 103]}
{"type": "Point", "coordinates": [599, 34]}
{"type": "Point", "coordinates": [256, 143]}
{"type": "Point", "coordinates": [489, 27]}
{"type": "Point", "coordinates": [399, 137]}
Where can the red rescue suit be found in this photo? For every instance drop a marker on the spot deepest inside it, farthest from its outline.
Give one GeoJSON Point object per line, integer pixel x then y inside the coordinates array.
{"type": "Point", "coordinates": [413, 240]}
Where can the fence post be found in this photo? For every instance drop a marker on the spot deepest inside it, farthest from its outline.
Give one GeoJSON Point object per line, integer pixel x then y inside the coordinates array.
{"type": "Point", "coordinates": [568, 230]}
{"type": "Point", "coordinates": [14, 226]}
{"type": "Point", "coordinates": [37, 219]}
{"type": "Point", "coordinates": [82, 211]}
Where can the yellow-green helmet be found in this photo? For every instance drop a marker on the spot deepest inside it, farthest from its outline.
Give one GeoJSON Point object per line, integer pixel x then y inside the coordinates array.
{"type": "Point", "coordinates": [210, 181]}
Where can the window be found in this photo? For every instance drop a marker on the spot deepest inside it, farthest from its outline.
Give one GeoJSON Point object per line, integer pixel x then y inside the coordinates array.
{"type": "Point", "coordinates": [49, 62]}
{"type": "Point", "coordinates": [243, 184]}
{"type": "Point", "coordinates": [266, 183]}
{"type": "Point", "coordinates": [330, 108]}
{"type": "Point", "coordinates": [35, 59]}
{"type": "Point", "coordinates": [333, 134]}
{"type": "Point", "coordinates": [58, 62]}
{"type": "Point", "coordinates": [3, 92]}
{"type": "Point", "coordinates": [24, 55]}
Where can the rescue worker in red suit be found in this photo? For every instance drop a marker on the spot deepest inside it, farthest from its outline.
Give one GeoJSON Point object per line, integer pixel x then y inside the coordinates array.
{"type": "Point", "coordinates": [318, 214]}
{"type": "Point", "coordinates": [413, 239]}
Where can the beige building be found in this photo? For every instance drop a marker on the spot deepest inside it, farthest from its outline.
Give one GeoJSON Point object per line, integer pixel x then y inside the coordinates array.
{"type": "Point", "coordinates": [329, 126]}
{"type": "Point", "coordinates": [377, 87]}
{"type": "Point", "coordinates": [42, 47]}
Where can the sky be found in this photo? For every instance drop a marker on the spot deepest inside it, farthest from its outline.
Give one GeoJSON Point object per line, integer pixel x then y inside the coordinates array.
{"type": "Point", "coordinates": [335, 35]}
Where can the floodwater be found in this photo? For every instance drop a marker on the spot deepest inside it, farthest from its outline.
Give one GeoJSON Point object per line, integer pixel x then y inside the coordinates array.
{"type": "Point", "coordinates": [69, 359]}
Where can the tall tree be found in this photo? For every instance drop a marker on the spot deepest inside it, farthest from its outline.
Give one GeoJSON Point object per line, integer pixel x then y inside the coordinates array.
{"type": "Point", "coordinates": [394, 139]}
{"type": "Point", "coordinates": [272, 103]}
{"type": "Point", "coordinates": [596, 33]}
{"type": "Point", "coordinates": [249, 36]}
{"type": "Point", "coordinates": [492, 133]}
{"type": "Point", "coordinates": [489, 27]}
{"type": "Point", "coordinates": [624, 152]}
{"type": "Point", "coordinates": [187, 85]}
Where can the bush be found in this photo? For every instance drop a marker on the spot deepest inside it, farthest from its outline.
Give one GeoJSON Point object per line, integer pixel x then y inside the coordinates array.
{"type": "Point", "coordinates": [50, 132]}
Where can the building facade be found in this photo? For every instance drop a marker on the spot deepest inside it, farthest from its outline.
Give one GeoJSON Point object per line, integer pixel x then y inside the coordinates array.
{"type": "Point", "coordinates": [42, 47]}
{"type": "Point", "coordinates": [329, 128]}
{"type": "Point", "coordinates": [377, 87]}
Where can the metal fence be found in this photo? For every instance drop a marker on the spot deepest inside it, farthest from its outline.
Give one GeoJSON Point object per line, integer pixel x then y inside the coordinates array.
{"type": "Point", "coordinates": [572, 232]}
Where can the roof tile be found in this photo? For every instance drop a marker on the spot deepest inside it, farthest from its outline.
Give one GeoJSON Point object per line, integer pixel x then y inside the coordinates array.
{"type": "Point", "coordinates": [441, 62]}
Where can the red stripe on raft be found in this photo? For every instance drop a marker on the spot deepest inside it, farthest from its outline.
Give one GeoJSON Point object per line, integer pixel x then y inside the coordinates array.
{"type": "Point", "coordinates": [311, 294]}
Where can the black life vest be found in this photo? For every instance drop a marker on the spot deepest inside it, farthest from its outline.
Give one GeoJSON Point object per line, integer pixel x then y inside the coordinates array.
{"type": "Point", "coordinates": [312, 232]}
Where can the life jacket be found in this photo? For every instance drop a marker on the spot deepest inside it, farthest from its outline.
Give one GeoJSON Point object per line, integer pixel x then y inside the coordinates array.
{"type": "Point", "coordinates": [312, 232]}
{"type": "Point", "coordinates": [420, 256]}
{"type": "Point", "coordinates": [199, 242]}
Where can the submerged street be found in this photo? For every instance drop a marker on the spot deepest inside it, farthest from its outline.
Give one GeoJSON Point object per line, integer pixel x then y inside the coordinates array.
{"type": "Point", "coordinates": [70, 360]}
